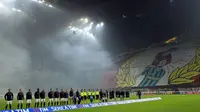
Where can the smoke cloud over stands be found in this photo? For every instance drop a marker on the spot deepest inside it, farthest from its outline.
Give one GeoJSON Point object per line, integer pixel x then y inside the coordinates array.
{"type": "Point", "coordinates": [34, 52]}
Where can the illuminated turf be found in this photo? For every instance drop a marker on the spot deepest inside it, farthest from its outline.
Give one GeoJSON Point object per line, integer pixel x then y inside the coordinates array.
{"type": "Point", "coordinates": [169, 103]}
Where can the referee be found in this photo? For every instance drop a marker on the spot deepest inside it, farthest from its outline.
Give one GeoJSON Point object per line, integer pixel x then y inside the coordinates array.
{"type": "Point", "coordinates": [97, 94]}
{"type": "Point", "coordinates": [85, 96]}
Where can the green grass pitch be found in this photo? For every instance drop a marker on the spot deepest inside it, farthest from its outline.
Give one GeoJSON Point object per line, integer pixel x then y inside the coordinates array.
{"type": "Point", "coordinates": [169, 103]}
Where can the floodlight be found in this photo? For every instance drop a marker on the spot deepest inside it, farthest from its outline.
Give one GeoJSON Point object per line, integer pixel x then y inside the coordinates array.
{"type": "Point", "coordinates": [86, 20]}
{"type": "Point", "coordinates": [102, 23]}
{"type": "Point", "coordinates": [98, 25]}
{"type": "Point", "coordinates": [50, 6]}
{"type": "Point", "coordinates": [40, 2]}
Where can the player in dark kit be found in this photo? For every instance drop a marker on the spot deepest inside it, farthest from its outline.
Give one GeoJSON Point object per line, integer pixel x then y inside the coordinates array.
{"type": "Point", "coordinates": [20, 98]}
{"type": "Point", "coordinates": [139, 94]}
{"type": "Point", "coordinates": [74, 99]}
{"type": "Point", "coordinates": [50, 96]}
{"type": "Point", "coordinates": [117, 94]}
{"type": "Point", "coordinates": [111, 95]}
{"type": "Point", "coordinates": [37, 98]}
{"type": "Point", "coordinates": [105, 96]}
{"type": "Point", "coordinates": [78, 97]}
{"type": "Point", "coordinates": [71, 94]}
{"type": "Point", "coordinates": [9, 98]}
{"type": "Point", "coordinates": [42, 98]}
{"type": "Point", "coordinates": [56, 96]}
{"type": "Point", "coordinates": [28, 98]}
{"type": "Point", "coordinates": [101, 95]}
{"type": "Point", "coordinates": [122, 95]}
{"type": "Point", "coordinates": [127, 94]}
{"type": "Point", "coordinates": [66, 95]}
{"type": "Point", "coordinates": [62, 97]}
{"type": "Point", "coordinates": [97, 94]}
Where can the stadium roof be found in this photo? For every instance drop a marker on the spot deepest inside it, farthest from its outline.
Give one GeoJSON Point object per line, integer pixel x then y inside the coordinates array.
{"type": "Point", "coordinates": [137, 23]}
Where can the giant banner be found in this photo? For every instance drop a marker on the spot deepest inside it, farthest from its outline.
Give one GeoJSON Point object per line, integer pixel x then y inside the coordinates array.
{"type": "Point", "coordinates": [168, 65]}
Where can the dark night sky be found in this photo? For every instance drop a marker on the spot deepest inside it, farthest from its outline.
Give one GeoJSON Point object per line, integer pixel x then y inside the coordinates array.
{"type": "Point", "coordinates": [147, 21]}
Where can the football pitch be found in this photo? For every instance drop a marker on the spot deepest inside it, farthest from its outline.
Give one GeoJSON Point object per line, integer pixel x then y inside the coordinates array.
{"type": "Point", "coordinates": [169, 103]}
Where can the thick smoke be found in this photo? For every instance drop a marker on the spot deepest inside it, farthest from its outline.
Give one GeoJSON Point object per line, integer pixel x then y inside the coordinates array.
{"type": "Point", "coordinates": [35, 52]}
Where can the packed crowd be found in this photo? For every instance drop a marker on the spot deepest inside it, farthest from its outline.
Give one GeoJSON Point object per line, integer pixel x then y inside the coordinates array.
{"type": "Point", "coordinates": [63, 97]}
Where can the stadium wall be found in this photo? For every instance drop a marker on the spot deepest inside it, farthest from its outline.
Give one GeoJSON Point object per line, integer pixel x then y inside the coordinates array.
{"type": "Point", "coordinates": [167, 65]}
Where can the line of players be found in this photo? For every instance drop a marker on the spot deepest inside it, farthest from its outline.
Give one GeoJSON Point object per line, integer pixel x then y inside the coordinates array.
{"type": "Point", "coordinates": [62, 97]}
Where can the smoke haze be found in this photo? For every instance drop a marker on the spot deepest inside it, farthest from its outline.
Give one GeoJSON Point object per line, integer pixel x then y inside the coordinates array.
{"type": "Point", "coordinates": [39, 51]}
